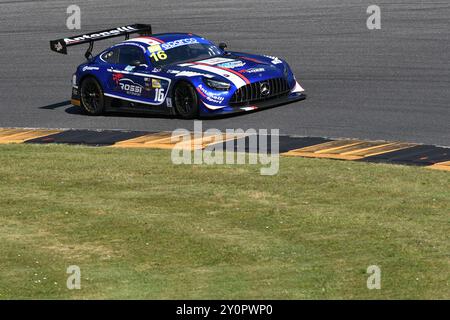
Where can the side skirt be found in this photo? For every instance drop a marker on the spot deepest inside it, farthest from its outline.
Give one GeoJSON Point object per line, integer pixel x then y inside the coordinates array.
{"type": "Point", "coordinates": [118, 105]}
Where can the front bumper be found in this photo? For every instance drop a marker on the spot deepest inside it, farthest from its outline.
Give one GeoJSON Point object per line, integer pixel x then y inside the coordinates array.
{"type": "Point", "coordinates": [293, 97]}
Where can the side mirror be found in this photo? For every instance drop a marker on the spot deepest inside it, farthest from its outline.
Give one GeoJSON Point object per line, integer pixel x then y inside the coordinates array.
{"type": "Point", "coordinates": [223, 46]}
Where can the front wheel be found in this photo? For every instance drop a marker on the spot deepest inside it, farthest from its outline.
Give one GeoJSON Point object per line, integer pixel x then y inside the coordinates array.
{"type": "Point", "coordinates": [186, 100]}
{"type": "Point", "coordinates": [92, 99]}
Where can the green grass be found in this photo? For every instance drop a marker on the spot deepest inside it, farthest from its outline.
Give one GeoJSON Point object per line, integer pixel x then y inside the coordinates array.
{"type": "Point", "coordinates": [140, 227]}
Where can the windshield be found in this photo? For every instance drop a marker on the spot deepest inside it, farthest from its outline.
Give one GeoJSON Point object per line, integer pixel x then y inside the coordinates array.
{"type": "Point", "coordinates": [183, 53]}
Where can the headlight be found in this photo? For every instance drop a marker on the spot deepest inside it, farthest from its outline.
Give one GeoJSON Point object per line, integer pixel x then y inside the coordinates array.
{"type": "Point", "coordinates": [217, 85]}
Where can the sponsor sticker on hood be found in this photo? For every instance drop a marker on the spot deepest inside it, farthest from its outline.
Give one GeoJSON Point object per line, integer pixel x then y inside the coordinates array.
{"type": "Point", "coordinates": [253, 70]}
{"type": "Point", "coordinates": [232, 64]}
{"type": "Point", "coordinates": [192, 74]}
{"type": "Point", "coordinates": [216, 61]}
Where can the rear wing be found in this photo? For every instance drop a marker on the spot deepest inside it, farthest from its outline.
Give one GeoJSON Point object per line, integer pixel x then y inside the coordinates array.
{"type": "Point", "coordinates": [60, 45]}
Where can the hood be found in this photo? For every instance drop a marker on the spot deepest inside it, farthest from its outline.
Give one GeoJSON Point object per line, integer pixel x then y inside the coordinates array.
{"type": "Point", "coordinates": [231, 68]}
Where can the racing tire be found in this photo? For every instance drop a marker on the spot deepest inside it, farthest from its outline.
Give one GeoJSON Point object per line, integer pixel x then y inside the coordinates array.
{"type": "Point", "coordinates": [92, 98]}
{"type": "Point", "coordinates": [186, 100]}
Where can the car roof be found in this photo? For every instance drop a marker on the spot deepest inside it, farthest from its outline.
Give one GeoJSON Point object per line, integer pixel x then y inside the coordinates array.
{"type": "Point", "coordinates": [163, 37]}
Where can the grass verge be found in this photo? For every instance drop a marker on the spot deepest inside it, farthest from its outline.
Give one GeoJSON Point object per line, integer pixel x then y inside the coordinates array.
{"type": "Point", "coordinates": [140, 227]}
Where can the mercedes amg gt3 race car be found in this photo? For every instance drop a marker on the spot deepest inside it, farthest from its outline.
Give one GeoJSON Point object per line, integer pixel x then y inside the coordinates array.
{"type": "Point", "coordinates": [177, 74]}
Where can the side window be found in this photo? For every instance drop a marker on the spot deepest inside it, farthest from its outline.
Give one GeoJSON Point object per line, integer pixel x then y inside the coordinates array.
{"type": "Point", "coordinates": [129, 54]}
{"type": "Point", "coordinates": [111, 56]}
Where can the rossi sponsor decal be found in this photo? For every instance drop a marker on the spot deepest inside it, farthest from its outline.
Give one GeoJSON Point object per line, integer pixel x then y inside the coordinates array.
{"type": "Point", "coordinates": [146, 94]}
{"type": "Point", "coordinates": [130, 87]}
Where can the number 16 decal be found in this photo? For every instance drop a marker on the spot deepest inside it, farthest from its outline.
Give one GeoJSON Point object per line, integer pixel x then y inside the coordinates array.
{"type": "Point", "coordinates": [159, 95]}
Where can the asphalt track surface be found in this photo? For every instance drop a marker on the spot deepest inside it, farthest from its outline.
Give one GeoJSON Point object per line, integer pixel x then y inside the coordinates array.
{"type": "Point", "coordinates": [390, 84]}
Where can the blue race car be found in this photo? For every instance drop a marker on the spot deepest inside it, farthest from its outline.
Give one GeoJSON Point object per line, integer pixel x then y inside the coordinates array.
{"type": "Point", "coordinates": [177, 74]}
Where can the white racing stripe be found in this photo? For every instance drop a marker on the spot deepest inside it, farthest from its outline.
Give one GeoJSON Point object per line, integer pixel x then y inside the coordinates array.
{"type": "Point", "coordinates": [236, 80]}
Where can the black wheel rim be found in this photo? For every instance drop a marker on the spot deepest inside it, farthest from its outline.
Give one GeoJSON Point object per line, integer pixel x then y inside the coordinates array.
{"type": "Point", "coordinates": [184, 99]}
{"type": "Point", "coordinates": [90, 95]}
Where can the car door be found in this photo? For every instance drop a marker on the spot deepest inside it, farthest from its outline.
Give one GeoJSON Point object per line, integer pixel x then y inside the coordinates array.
{"type": "Point", "coordinates": [130, 77]}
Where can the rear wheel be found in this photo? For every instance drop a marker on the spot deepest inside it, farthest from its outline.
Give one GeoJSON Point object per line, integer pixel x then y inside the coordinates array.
{"type": "Point", "coordinates": [186, 100]}
{"type": "Point", "coordinates": [92, 99]}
